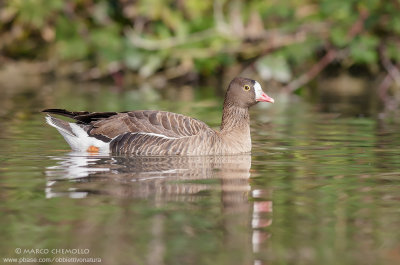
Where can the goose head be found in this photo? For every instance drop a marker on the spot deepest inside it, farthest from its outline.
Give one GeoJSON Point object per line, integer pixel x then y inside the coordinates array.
{"type": "Point", "coordinates": [244, 93]}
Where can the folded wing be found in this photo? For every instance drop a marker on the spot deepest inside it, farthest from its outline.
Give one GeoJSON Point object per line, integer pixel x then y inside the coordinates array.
{"type": "Point", "coordinates": [106, 126]}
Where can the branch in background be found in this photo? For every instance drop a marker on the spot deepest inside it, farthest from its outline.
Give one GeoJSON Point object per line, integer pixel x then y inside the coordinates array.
{"type": "Point", "coordinates": [393, 75]}
{"type": "Point", "coordinates": [235, 19]}
{"type": "Point", "coordinates": [392, 70]}
{"type": "Point", "coordinates": [219, 19]}
{"type": "Point", "coordinates": [331, 55]}
{"type": "Point", "coordinates": [247, 48]}
{"type": "Point", "coordinates": [313, 72]}
{"type": "Point", "coordinates": [389, 103]}
{"type": "Point", "coordinates": [154, 45]}
{"type": "Point", "coordinates": [358, 26]}
{"type": "Point", "coordinates": [383, 89]}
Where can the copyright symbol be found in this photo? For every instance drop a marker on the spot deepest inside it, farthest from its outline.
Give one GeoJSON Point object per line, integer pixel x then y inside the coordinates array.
{"type": "Point", "coordinates": [18, 250]}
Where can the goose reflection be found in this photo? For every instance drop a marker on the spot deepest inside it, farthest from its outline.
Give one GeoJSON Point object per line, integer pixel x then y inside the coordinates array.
{"type": "Point", "coordinates": [157, 177]}
{"type": "Point", "coordinates": [163, 179]}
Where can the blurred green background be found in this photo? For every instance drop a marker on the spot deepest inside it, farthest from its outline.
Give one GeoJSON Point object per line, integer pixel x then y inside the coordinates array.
{"type": "Point", "coordinates": [327, 51]}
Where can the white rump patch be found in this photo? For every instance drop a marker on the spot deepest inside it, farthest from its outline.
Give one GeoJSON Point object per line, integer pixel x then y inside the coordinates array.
{"type": "Point", "coordinates": [83, 141]}
{"type": "Point", "coordinates": [258, 90]}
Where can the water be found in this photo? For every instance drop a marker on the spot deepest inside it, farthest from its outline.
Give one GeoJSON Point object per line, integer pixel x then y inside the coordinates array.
{"type": "Point", "coordinates": [317, 189]}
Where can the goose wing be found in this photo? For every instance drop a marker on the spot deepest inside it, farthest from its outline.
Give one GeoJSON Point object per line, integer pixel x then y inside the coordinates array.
{"type": "Point", "coordinates": [108, 125]}
{"type": "Point", "coordinates": [162, 123]}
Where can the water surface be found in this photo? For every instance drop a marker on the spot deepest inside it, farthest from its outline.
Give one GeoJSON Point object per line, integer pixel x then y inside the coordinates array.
{"type": "Point", "coordinates": [317, 189]}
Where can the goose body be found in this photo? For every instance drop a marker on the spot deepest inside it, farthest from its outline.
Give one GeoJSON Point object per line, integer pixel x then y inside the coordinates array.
{"type": "Point", "coordinates": [150, 132]}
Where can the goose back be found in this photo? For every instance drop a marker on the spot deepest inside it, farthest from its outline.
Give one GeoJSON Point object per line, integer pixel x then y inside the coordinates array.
{"type": "Point", "coordinates": [161, 123]}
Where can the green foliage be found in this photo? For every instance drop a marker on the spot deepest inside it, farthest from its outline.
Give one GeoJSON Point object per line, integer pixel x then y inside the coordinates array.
{"type": "Point", "coordinates": [35, 12]}
{"type": "Point", "coordinates": [363, 49]}
{"type": "Point", "coordinates": [148, 36]}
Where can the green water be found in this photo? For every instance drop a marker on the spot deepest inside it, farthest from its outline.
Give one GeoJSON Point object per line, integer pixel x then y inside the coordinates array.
{"type": "Point", "coordinates": [317, 189]}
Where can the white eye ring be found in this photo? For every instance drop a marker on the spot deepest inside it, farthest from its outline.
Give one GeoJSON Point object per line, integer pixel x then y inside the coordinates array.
{"type": "Point", "coordinates": [246, 88]}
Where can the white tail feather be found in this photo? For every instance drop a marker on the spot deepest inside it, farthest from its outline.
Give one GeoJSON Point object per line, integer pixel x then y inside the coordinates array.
{"type": "Point", "coordinates": [79, 140]}
{"type": "Point", "coordinates": [49, 121]}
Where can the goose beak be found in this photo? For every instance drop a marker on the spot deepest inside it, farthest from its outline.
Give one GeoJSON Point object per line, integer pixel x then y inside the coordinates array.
{"type": "Point", "coordinates": [260, 94]}
{"type": "Point", "coordinates": [265, 98]}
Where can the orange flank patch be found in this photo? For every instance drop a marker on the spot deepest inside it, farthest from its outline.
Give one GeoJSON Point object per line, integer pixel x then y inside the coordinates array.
{"type": "Point", "coordinates": [93, 149]}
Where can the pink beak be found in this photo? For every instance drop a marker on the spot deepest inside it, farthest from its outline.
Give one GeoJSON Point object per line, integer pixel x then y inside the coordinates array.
{"type": "Point", "coordinates": [265, 98]}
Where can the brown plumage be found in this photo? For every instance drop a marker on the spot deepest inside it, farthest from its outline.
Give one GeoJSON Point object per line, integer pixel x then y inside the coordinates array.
{"type": "Point", "coordinates": [151, 132]}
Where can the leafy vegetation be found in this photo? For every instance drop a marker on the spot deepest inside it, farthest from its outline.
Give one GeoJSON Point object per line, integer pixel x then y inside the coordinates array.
{"type": "Point", "coordinates": [172, 38]}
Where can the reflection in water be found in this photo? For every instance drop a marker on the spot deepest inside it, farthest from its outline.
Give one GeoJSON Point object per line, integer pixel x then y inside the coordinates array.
{"type": "Point", "coordinates": [261, 218]}
{"type": "Point", "coordinates": [334, 182]}
{"type": "Point", "coordinates": [165, 179]}
{"type": "Point", "coordinates": [71, 168]}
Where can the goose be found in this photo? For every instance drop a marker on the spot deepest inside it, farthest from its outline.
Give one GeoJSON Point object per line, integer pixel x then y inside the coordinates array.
{"type": "Point", "coordinates": [158, 133]}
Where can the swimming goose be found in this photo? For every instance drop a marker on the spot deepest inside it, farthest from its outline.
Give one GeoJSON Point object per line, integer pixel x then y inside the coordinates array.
{"type": "Point", "coordinates": [151, 132]}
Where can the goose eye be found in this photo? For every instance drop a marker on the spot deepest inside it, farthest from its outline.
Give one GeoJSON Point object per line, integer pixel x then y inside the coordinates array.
{"type": "Point", "coordinates": [246, 87]}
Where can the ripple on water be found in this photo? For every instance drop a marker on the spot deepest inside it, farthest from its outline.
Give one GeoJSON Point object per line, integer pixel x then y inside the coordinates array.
{"type": "Point", "coordinates": [317, 189]}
